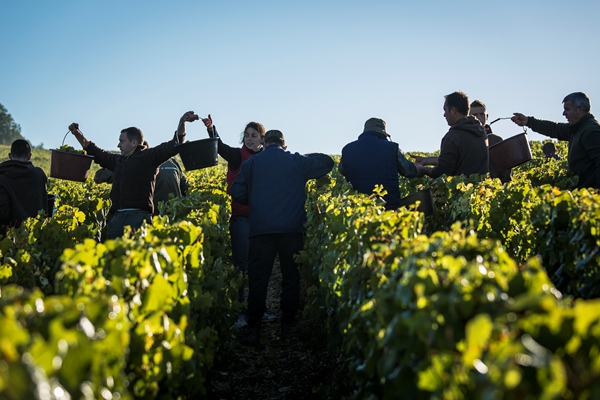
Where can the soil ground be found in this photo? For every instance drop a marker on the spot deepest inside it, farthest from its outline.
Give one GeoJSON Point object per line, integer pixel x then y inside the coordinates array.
{"type": "Point", "coordinates": [299, 367]}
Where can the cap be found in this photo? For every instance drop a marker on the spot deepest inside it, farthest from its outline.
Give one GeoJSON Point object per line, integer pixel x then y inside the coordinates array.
{"type": "Point", "coordinates": [375, 125]}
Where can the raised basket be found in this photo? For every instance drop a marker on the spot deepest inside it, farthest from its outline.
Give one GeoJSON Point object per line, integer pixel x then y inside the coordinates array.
{"type": "Point", "coordinates": [70, 166]}
{"type": "Point", "coordinates": [511, 152]}
{"type": "Point", "coordinates": [199, 153]}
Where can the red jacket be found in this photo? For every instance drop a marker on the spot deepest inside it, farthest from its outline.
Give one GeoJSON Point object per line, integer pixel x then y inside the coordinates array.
{"type": "Point", "coordinates": [237, 208]}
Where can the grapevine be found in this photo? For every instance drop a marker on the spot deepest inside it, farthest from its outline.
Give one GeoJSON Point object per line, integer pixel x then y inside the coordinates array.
{"type": "Point", "coordinates": [70, 149]}
{"type": "Point", "coordinates": [493, 296]}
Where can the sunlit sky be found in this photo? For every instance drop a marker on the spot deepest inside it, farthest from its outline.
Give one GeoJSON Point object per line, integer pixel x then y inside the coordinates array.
{"type": "Point", "coordinates": [316, 70]}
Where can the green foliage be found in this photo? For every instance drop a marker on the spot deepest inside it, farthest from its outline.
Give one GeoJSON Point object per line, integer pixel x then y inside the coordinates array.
{"type": "Point", "coordinates": [148, 273]}
{"type": "Point", "coordinates": [32, 250]}
{"type": "Point", "coordinates": [178, 290]}
{"type": "Point", "coordinates": [70, 149]}
{"type": "Point", "coordinates": [9, 129]}
{"type": "Point", "coordinates": [62, 345]}
{"type": "Point", "coordinates": [461, 313]}
{"type": "Point", "coordinates": [475, 301]}
{"type": "Point", "coordinates": [90, 199]}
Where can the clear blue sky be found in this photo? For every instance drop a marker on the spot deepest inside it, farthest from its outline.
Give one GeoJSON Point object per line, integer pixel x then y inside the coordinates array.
{"type": "Point", "coordinates": [316, 70]}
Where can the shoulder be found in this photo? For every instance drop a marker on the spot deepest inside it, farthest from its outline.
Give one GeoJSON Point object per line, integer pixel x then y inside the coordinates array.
{"type": "Point", "coordinates": [40, 171]}
{"type": "Point", "coordinates": [452, 135]}
{"type": "Point", "coordinates": [591, 125]}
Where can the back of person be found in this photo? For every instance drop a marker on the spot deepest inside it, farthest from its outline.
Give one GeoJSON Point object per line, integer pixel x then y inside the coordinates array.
{"type": "Point", "coordinates": [371, 161]}
{"type": "Point", "coordinates": [276, 206]}
{"type": "Point", "coordinates": [273, 184]}
{"type": "Point", "coordinates": [550, 151]}
{"type": "Point", "coordinates": [170, 179]}
{"type": "Point", "coordinates": [23, 190]}
{"type": "Point", "coordinates": [467, 148]}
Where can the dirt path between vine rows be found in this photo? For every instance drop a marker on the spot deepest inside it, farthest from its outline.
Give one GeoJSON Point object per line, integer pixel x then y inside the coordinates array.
{"type": "Point", "coordinates": [300, 367]}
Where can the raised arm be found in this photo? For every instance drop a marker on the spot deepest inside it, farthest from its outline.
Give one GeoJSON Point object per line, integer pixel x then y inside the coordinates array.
{"type": "Point", "coordinates": [210, 128]}
{"type": "Point", "coordinates": [74, 128]}
{"type": "Point", "coordinates": [189, 116]}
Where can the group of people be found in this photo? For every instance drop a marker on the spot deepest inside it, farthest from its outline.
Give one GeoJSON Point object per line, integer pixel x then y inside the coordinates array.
{"type": "Point", "coordinates": [267, 183]}
{"type": "Point", "coordinates": [267, 220]}
{"type": "Point", "coordinates": [374, 160]}
{"type": "Point", "coordinates": [267, 188]}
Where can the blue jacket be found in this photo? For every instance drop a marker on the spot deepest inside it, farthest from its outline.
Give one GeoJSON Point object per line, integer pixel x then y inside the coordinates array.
{"type": "Point", "coordinates": [373, 160]}
{"type": "Point", "coordinates": [273, 184]}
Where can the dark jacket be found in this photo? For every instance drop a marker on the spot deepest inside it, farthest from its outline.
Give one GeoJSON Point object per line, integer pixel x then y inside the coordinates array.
{"type": "Point", "coordinates": [23, 192]}
{"type": "Point", "coordinates": [135, 175]}
{"type": "Point", "coordinates": [463, 150]}
{"type": "Point", "coordinates": [273, 183]}
{"type": "Point", "coordinates": [234, 156]}
{"type": "Point", "coordinates": [373, 160]}
{"type": "Point", "coordinates": [170, 179]}
{"type": "Point", "coordinates": [584, 146]}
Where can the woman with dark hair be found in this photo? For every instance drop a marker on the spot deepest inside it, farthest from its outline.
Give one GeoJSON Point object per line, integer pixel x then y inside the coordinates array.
{"type": "Point", "coordinates": [252, 141]}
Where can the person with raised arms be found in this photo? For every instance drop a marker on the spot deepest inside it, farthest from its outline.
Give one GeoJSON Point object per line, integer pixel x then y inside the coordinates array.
{"type": "Point", "coordinates": [135, 170]}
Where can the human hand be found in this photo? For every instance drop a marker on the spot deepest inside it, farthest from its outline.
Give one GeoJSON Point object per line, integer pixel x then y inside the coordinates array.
{"type": "Point", "coordinates": [422, 171]}
{"type": "Point", "coordinates": [208, 121]}
{"type": "Point", "coordinates": [419, 161]}
{"type": "Point", "coordinates": [519, 119]}
{"type": "Point", "coordinates": [74, 127]}
{"type": "Point", "coordinates": [190, 116]}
